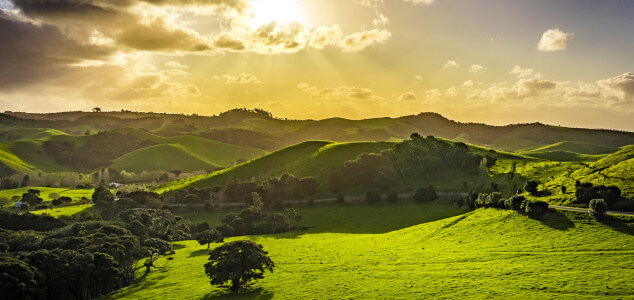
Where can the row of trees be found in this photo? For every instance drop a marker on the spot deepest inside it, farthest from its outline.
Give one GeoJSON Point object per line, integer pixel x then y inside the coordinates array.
{"type": "Point", "coordinates": [417, 157]}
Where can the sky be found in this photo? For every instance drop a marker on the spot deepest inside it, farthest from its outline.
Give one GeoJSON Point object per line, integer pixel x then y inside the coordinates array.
{"type": "Point", "coordinates": [566, 62]}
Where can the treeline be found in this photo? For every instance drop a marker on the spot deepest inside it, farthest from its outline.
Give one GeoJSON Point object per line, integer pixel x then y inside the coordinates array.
{"type": "Point", "coordinates": [100, 121]}
{"type": "Point", "coordinates": [417, 157]}
{"type": "Point", "coordinates": [272, 191]}
{"type": "Point", "coordinates": [82, 257]}
{"type": "Point", "coordinates": [98, 151]}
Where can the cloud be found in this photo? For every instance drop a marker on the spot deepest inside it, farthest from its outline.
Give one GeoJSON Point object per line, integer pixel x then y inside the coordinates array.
{"type": "Point", "coordinates": [623, 85]}
{"type": "Point", "coordinates": [176, 65]}
{"type": "Point", "coordinates": [342, 92]}
{"type": "Point", "coordinates": [467, 84]}
{"type": "Point", "coordinates": [409, 96]}
{"type": "Point", "coordinates": [361, 40]}
{"type": "Point", "coordinates": [525, 72]}
{"type": "Point", "coordinates": [241, 79]}
{"type": "Point", "coordinates": [32, 53]}
{"type": "Point", "coordinates": [553, 40]}
{"type": "Point", "coordinates": [380, 20]}
{"type": "Point", "coordinates": [476, 69]}
{"type": "Point", "coordinates": [452, 64]}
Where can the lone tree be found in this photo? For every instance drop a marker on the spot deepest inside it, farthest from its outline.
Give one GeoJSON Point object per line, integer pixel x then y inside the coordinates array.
{"type": "Point", "coordinates": [597, 209]}
{"type": "Point", "coordinates": [238, 262]}
{"type": "Point", "coordinates": [531, 187]}
{"type": "Point", "coordinates": [208, 237]}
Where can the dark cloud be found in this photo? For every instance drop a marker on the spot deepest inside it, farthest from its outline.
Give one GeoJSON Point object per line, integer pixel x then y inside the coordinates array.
{"type": "Point", "coordinates": [30, 53]}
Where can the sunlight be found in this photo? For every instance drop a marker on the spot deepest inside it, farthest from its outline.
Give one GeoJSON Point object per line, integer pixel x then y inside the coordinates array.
{"type": "Point", "coordinates": [279, 11]}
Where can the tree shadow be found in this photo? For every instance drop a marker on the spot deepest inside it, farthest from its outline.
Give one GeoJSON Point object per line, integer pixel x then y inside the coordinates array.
{"type": "Point", "coordinates": [200, 252]}
{"type": "Point", "coordinates": [555, 220]}
{"type": "Point", "coordinates": [621, 225]}
{"type": "Point", "coordinates": [258, 293]}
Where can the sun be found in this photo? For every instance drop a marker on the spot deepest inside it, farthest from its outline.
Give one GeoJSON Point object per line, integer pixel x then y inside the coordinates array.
{"type": "Point", "coordinates": [281, 12]}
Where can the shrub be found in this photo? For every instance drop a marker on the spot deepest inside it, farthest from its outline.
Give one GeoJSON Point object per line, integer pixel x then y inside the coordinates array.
{"type": "Point", "coordinates": [340, 198]}
{"type": "Point", "coordinates": [536, 208]}
{"type": "Point", "coordinates": [597, 209]}
{"type": "Point", "coordinates": [372, 197]}
{"type": "Point", "coordinates": [392, 196]}
{"type": "Point", "coordinates": [531, 187]}
{"type": "Point", "coordinates": [425, 194]}
{"type": "Point", "coordinates": [514, 202]}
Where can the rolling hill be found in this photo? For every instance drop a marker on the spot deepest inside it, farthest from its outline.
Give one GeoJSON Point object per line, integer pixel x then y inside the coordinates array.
{"type": "Point", "coordinates": [277, 133]}
{"type": "Point", "coordinates": [313, 158]}
{"type": "Point", "coordinates": [186, 154]}
{"type": "Point", "coordinates": [478, 255]}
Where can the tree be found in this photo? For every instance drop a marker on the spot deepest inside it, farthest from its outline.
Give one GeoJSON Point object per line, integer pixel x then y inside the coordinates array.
{"type": "Point", "coordinates": [237, 262]}
{"type": "Point", "coordinates": [208, 237]}
{"type": "Point", "coordinates": [392, 196]}
{"type": "Point", "coordinates": [531, 187]}
{"type": "Point", "coordinates": [32, 198]}
{"type": "Point", "coordinates": [5, 201]}
{"type": "Point", "coordinates": [425, 194]}
{"type": "Point", "coordinates": [96, 109]}
{"type": "Point", "coordinates": [372, 197]}
{"type": "Point", "coordinates": [597, 209]}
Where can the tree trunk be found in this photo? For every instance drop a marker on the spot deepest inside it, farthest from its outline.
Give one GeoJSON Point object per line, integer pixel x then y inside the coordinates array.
{"type": "Point", "coordinates": [235, 285]}
{"type": "Point", "coordinates": [208, 246]}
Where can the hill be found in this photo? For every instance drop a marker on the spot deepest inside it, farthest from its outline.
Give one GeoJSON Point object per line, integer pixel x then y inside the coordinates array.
{"type": "Point", "coordinates": [185, 154]}
{"type": "Point", "coordinates": [313, 158]}
{"type": "Point", "coordinates": [482, 254]}
{"type": "Point", "coordinates": [576, 147]}
{"type": "Point", "coordinates": [274, 133]}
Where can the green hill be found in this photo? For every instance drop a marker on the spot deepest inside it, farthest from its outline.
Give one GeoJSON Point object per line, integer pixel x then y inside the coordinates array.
{"type": "Point", "coordinates": [479, 255]}
{"type": "Point", "coordinates": [185, 154]}
{"type": "Point", "coordinates": [15, 134]}
{"type": "Point", "coordinates": [314, 158]}
{"type": "Point", "coordinates": [561, 155]}
{"type": "Point", "coordinates": [577, 147]}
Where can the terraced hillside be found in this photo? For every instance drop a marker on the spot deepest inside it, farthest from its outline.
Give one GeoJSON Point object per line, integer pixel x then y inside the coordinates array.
{"type": "Point", "coordinates": [479, 255]}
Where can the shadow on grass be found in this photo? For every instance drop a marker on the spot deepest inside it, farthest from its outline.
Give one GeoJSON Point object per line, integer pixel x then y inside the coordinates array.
{"type": "Point", "coordinates": [200, 252]}
{"type": "Point", "coordinates": [622, 225]}
{"type": "Point", "coordinates": [140, 284]}
{"type": "Point", "coordinates": [258, 293]}
{"type": "Point", "coordinates": [555, 220]}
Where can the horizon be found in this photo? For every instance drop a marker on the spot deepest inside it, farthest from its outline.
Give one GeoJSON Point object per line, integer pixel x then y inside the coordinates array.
{"type": "Point", "coordinates": [274, 116]}
{"type": "Point", "coordinates": [492, 62]}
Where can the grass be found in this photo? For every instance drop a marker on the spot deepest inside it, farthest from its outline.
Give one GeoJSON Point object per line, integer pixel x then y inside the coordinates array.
{"type": "Point", "coordinates": [575, 147]}
{"type": "Point", "coordinates": [75, 194]}
{"type": "Point", "coordinates": [314, 158]}
{"type": "Point", "coordinates": [483, 254]}
{"type": "Point", "coordinates": [67, 210]}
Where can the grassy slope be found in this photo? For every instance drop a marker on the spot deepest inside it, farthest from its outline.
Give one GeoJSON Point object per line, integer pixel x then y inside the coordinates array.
{"type": "Point", "coordinates": [483, 254]}
{"type": "Point", "coordinates": [186, 154]}
{"type": "Point", "coordinates": [45, 191]}
{"type": "Point", "coordinates": [576, 147]}
{"type": "Point", "coordinates": [30, 133]}
{"type": "Point", "coordinates": [67, 210]}
{"type": "Point", "coordinates": [314, 158]}
{"type": "Point", "coordinates": [562, 156]}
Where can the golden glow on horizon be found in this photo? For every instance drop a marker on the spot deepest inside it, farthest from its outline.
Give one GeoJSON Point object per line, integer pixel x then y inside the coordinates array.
{"type": "Point", "coordinates": [281, 12]}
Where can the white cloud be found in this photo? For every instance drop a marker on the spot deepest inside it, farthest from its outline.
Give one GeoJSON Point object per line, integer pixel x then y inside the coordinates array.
{"type": "Point", "coordinates": [525, 72]}
{"type": "Point", "coordinates": [623, 85]}
{"type": "Point", "coordinates": [409, 96]}
{"type": "Point", "coordinates": [553, 40]}
{"type": "Point", "coordinates": [342, 92]}
{"type": "Point", "coordinates": [452, 64]}
{"type": "Point", "coordinates": [467, 84]}
{"type": "Point", "coordinates": [476, 69]}
{"type": "Point", "coordinates": [243, 78]}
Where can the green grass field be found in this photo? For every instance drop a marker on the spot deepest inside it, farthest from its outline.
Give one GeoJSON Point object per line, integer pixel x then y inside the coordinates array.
{"type": "Point", "coordinates": [67, 210]}
{"type": "Point", "coordinates": [75, 194]}
{"type": "Point", "coordinates": [379, 253]}
{"type": "Point", "coordinates": [186, 154]}
{"type": "Point", "coordinates": [575, 147]}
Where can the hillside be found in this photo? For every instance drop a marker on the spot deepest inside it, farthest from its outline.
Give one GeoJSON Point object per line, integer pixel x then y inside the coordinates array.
{"type": "Point", "coordinates": [479, 255]}
{"type": "Point", "coordinates": [274, 133]}
{"type": "Point", "coordinates": [185, 154]}
{"type": "Point", "coordinates": [314, 158]}
{"type": "Point", "coordinates": [576, 147]}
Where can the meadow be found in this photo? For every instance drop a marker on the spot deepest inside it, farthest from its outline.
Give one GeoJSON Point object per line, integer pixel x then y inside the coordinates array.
{"type": "Point", "coordinates": [410, 250]}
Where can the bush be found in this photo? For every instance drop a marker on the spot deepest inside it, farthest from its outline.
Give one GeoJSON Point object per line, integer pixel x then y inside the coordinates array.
{"type": "Point", "coordinates": [372, 197]}
{"type": "Point", "coordinates": [537, 208]}
{"type": "Point", "coordinates": [531, 187]}
{"type": "Point", "coordinates": [392, 196]}
{"type": "Point", "coordinates": [425, 194]}
{"type": "Point", "coordinates": [514, 202]}
{"type": "Point", "coordinates": [340, 198]}
{"type": "Point", "coordinates": [597, 209]}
